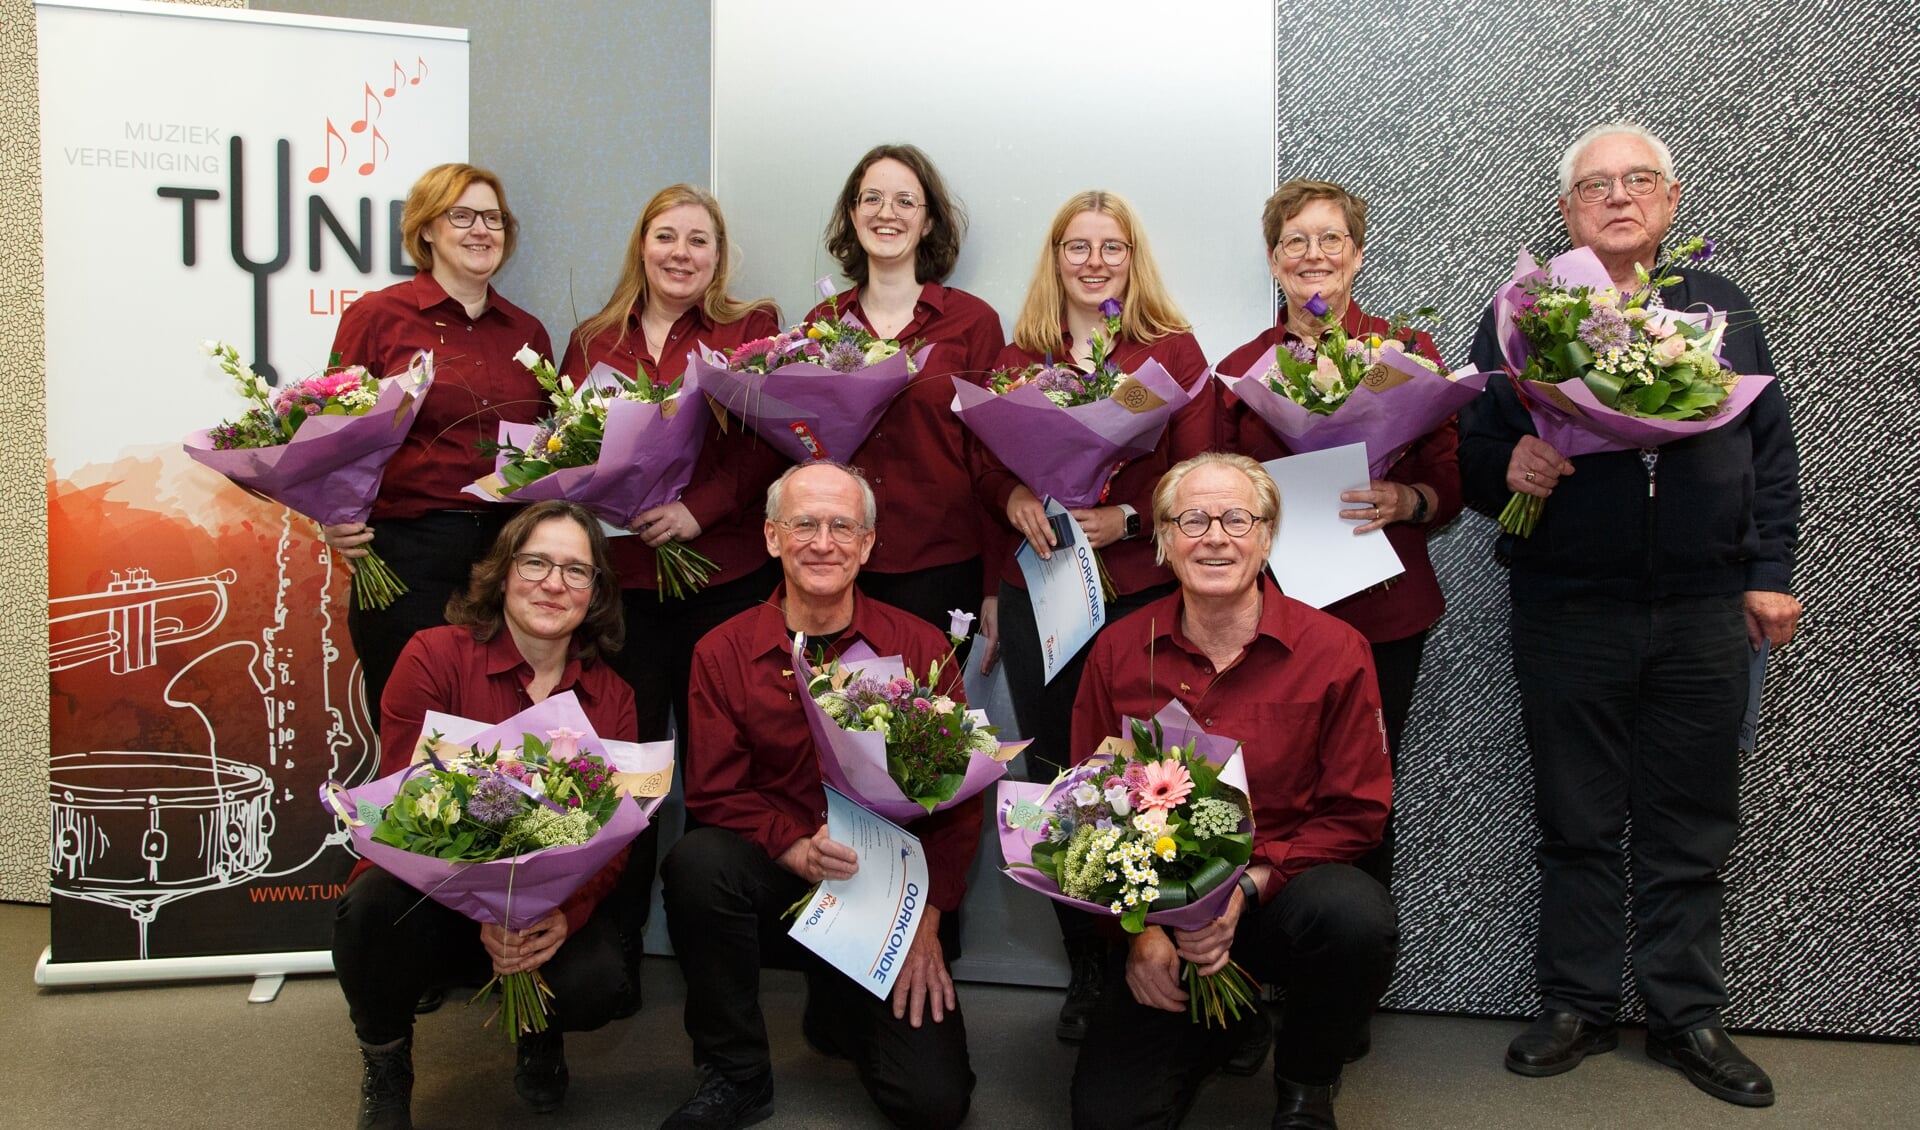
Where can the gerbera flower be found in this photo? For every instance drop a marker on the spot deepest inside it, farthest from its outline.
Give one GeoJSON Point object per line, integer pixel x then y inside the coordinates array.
{"type": "Point", "coordinates": [1167, 784]}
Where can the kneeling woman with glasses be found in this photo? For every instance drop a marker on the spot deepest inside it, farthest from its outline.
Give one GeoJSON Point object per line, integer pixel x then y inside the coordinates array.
{"type": "Point", "coordinates": [541, 609]}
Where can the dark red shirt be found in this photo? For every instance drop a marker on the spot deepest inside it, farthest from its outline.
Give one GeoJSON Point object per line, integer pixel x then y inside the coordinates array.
{"type": "Point", "coordinates": [1412, 602]}
{"type": "Point", "coordinates": [447, 670]}
{"type": "Point", "coordinates": [914, 458]}
{"type": "Point", "coordinates": [1301, 700]}
{"type": "Point", "coordinates": [728, 492]}
{"type": "Point", "coordinates": [476, 384]}
{"type": "Point", "coordinates": [751, 764]}
{"type": "Point", "coordinates": [1191, 431]}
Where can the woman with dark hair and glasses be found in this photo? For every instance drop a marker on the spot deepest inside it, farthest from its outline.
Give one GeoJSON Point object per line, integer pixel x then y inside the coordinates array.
{"type": "Point", "coordinates": [896, 233]}
{"type": "Point", "coordinates": [458, 231]}
{"type": "Point", "coordinates": [1316, 233]}
{"type": "Point", "coordinates": [1095, 253]}
{"type": "Point", "coordinates": [541, 609]}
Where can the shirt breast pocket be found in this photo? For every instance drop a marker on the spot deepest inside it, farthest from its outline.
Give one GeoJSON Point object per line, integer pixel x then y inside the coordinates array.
{"type": "Point", "coordinates": [1282, 758]}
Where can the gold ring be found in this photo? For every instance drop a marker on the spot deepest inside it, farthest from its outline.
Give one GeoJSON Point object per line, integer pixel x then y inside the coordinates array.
{"type": "Point", "coordinates": [1529, 476]}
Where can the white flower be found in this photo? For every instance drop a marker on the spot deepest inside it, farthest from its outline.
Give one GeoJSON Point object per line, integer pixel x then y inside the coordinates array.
{"type": "Point", "coordinates": [1086, 794]}
{"type": "Point", "coordinates": [959, 624]}
{"type": "Point", "coordinates": [210, 347]}
{"type": "Point", "coordinates": [1117, 798]}
{"type": "Point", "coordinates": [879, 351]}
{"type": "Point", "coordinates": [527, 356]}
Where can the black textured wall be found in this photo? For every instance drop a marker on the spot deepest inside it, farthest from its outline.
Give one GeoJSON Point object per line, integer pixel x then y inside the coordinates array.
{"type": "Point", "coordinates": [1796, 132]}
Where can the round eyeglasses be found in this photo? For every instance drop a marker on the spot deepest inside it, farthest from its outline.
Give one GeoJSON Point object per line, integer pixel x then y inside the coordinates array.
{"type": "Point", "coordinates": [905, 203]}
{"type": "Point", "coordinates": [806, 527]}
{"type": "Point", "coordinates": [1332, 244]}
{"type": "Point", "coordinates": [1077, 252]}
{"type": "Point", "coordinates": [535, 568]}
{"type": "Point", "coordinates": [1237, 523]}
{"type": "Point", "coordinates": [463, 218]}
{"type": "Point", "coordinates": [1637, 182]}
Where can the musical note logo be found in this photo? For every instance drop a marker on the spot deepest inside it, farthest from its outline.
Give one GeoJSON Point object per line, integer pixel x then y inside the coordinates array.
{"type": "Point", "coordinates": [321, 172]}
{"type": "Point", "coordinates": [399, 80]}
{"type": "Point", "coordinates": [373, 158]}
{"type": "Point", "coordinates": [370, 107]}
{"type": "Point", "coordinates": [421, 71]}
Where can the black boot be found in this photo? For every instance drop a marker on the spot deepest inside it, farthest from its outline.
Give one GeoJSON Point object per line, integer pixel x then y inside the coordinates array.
{"type": "Point", "coordinates": [1089, 962]}
{"type": "Point", "coordinates": [540, 1070]}
{"type": "Point", "coordinates": [386, 1085]}
{"type": "Point", "coordinates": [1303, 1107]}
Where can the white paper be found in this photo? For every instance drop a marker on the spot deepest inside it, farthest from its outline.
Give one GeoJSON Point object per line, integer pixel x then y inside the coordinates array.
{"type": "Point", "coordinates": [1315, 557]}
{"type": "Point", "coordinates": [1068, 607]}
{"type": "Point", "coordinates": [864, 926]}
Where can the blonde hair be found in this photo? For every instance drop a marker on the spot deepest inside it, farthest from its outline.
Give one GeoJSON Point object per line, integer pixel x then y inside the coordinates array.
{"type": "Point", "coordinates": [630, 293]}
{"type": "Point", "coordinates": [435, 192]}
{"type": "Point", "coordinates": [1266, 497]}
{"type": "Point", "coordinates": [1147, 312]}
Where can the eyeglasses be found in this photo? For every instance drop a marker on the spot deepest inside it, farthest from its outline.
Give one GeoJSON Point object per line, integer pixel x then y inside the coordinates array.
{"type": "Point", "coordinates": [1112, 251]}
{"type": "Point", "coordinates": [463, 218]}
{"type": "Point", "coordinates": [535, 568]}
{"type": "Point", "coordinates": [1237, 523]}
{"type": "Point", "coordinates": [806, 527]}
{"type": "Point", "coordinates": [1638, 182]}
{"type": "Point", "coordinates": [1332, 244]}
{"type": "Point", "coordinates": [905, 203]}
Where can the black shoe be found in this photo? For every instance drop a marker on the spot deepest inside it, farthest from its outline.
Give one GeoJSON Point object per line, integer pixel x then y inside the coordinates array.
{"type": "Point", "coordinates": [1250, 1050]}
{"type": "Point", "coordinates": [721, 1104]}
{"type": "Point", "coordinates": [1556, 1042]}
{"type": "Point", "coordinates": [430, 1000]}
{"type": "Point", "coordinates": [1089, 962]}
{"type": "Point", "coordinates": [386, 1086]}
{"type": "Point", "coordinates": [1709, 1059]}
{"type": "Point", "coordinates": [540, 1075]}
{"type": "Point", "coordinates": [1303, 1107]}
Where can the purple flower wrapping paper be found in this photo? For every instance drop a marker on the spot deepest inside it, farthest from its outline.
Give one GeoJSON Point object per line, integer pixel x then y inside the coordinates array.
{"type": "Point", "coordinates": [1017, 844]}
{"type": "Point", "coordinates": [1388, 419]}
{"type": "Point", "coordinates": [855, 761]}
{"type": "Point", "coordinates": [518, 891]}
{"type": "Point", "coordinates": [330, 471]}
{"type": "Point", "coordinates": [809, 411]}
{"type": "Point", "coordinates": [647, 453]}
{"type": "Point", "coordinates": [1068, 454]}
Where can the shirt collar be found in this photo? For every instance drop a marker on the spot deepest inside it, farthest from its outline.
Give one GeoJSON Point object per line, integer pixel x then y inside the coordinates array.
{"type": "Point", "coordinates": [502, 657]}
{"type": "Point", "coordinates": [695, 316]}
{"type": "Point", "coordinates": [1276, 622]}
{"type": "Point", "coordinates": [1354, 321]}
{"type": "Point", "coordinates": [428, 293]}
{"type": "Point", "coordinates": [932, 295]}
{"type": "Point", "coordinates": [770, 626]}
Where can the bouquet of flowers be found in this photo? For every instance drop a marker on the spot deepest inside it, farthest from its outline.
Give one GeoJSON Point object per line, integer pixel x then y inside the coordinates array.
{"type": "Point", "coordinates": [895, 742]}
{"type": "Point", "coordinates": [318, 446]}
{"type": "Point", "coordinates": [1150, 831]}
{"type": "Point", "coordinates": [775, 384]}
{"type": "Point", "coordinates": [1309, 394]}
{"type": "Point", "coordinates": [1599, 370]}
{"type": "Point", "coordinates": [616, 445]}
{"type": "Point", "coordinates": [504, 826]}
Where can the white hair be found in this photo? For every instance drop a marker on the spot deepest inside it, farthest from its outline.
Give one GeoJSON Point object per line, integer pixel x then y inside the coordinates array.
{"type": "Point", "coordinates": [776, 493]}
{"type": "Point", "coordinates": [1661, 153]}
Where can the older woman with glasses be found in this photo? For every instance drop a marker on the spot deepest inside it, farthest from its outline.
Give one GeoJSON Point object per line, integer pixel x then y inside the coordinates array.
{"type": "Point", "coordinates": [1316, 235]}
{"type": "Point", "coordinates": [896, 232]}
{"type": "Point", "coordinates": [458, 231]}
{"type": "Point", "coordinates": [1095, 253]}
{"type": "Point", "coordinates": [540, 611]}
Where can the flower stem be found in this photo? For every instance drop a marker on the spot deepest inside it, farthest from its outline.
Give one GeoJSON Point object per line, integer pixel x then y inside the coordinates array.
{"type": "Point", "coordinates": [374, 583]}
{"type": "Point", "coordinates": [1522, 514]}
{"type": "Point", "coordinates": [1216, 997]}
{"type": "Point", "coordinates": [680, 570]}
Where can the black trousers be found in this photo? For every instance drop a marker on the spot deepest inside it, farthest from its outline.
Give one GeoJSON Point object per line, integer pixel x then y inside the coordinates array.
{"type": "Point", "coordinates": [724, 898]}
{"type": "Point", "coordinates": [1329, 938]}
{"type": "Point", "coordinates": [1632, 710]}
{"type": "Point", "coordinates": [1396, 663]}
{"type": "Point", "coordinates": [391, 943]}
{"type": "Point", "coordinates": [433, 555]}
{"type": "Point", "coordinates": [930, 594]}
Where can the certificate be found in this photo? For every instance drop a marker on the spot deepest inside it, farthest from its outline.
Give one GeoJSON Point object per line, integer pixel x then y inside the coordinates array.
{"type": "Point", "coordinates": [1068, 607]}
{"type": "Point", "coordinates": [1315, 556]}
{"type": "Point", "coordinates": [864, 926]}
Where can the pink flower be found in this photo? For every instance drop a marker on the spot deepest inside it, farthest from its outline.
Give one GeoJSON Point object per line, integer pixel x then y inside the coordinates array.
{"type": "Point", "coordinates": [566, 743]}
{"type": "Point", "coordinates": [1167, 784]}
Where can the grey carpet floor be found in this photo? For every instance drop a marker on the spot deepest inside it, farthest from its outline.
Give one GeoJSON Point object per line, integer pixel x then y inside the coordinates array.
{"type": "Point", "coordinates": [195, 1055]}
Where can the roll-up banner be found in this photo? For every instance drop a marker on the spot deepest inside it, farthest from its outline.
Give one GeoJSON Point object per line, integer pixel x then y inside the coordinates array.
{"type": "Point", "coordinates": [219, 174]}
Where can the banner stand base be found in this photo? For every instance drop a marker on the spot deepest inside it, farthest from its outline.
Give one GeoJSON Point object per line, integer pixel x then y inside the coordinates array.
{"type": "Point", "coordinates": [268, 970]}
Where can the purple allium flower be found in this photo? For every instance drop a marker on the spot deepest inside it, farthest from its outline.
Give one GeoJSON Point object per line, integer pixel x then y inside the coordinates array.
{"type": "Point", "coordinates": [1707, 248]}
{"type": "Point", "coordinates": [1605, 329]}
{"type": "Point", "coordinates": [1302, 351]}
{"type": "Point", "coordinates": [1061, 379]}
{"type": "Point", "coordinates": [846, 356]}
{"type": "Point", "coordinates": [1110, 308]}
{"type": "Point", "coordinates": [493, 802]}
{"type": "Point", "coordinates": [1317, 306]}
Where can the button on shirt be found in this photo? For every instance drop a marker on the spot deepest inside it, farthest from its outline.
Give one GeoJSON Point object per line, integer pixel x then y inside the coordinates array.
{"type": "Point", "coordinates": [913, 459]}
{"type": "Point", "coordinates": [476, 384]}
{"type": "Point", "coordinates": [727, 492]}
{"type": "Point", "coordinates": [1414, 602]}
{"type": "Point", "coordinates": [751, 764]}
{"type": "Point", "coordinates": [1301, 699]}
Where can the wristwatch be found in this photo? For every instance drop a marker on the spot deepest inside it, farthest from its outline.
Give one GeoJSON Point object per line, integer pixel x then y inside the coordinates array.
{"type": "Point", "coordinates": [1250, 889]}
{"type": "Point", "coordinates": [1133, 523]}
{"type": "Point", "coordinates": [1420, 507]}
